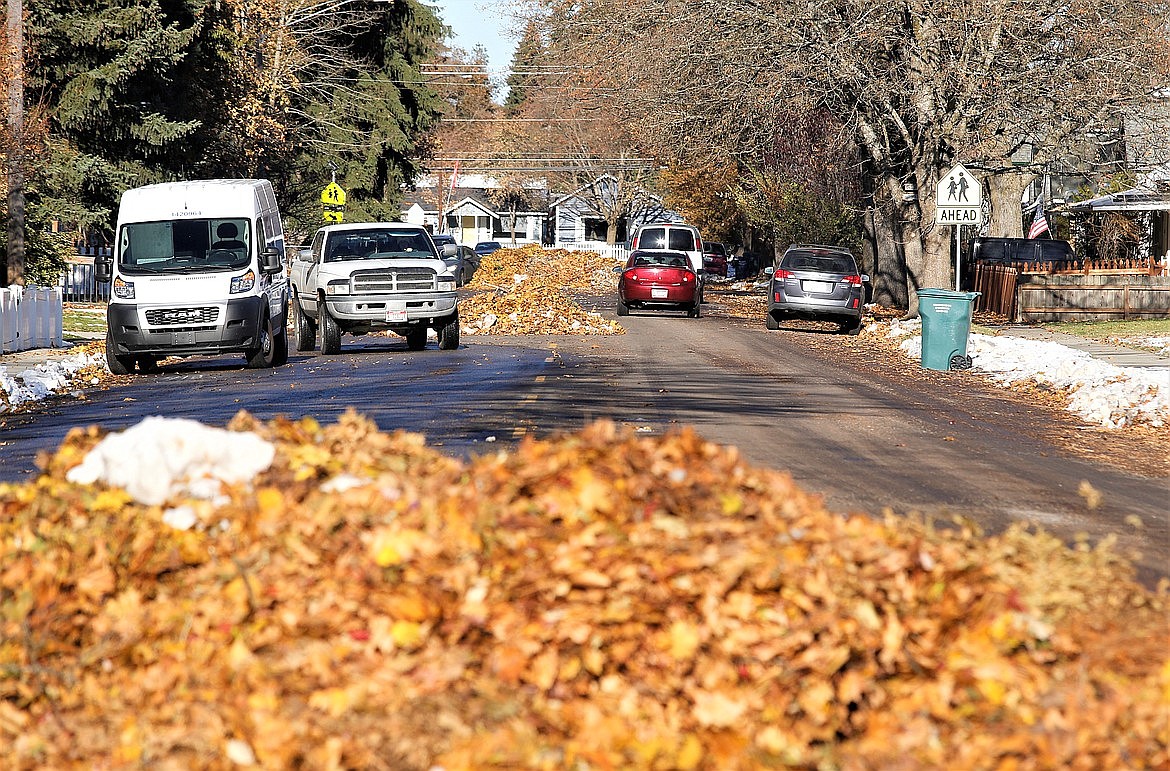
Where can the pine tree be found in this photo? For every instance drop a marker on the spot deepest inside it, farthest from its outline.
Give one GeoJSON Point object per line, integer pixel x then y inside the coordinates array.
{"type": "Point", "coordinates": [529, 53]}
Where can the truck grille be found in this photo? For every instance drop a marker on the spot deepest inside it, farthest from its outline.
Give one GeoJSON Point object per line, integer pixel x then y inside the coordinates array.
{"type": "Point", "coordinates": [160, 317]}
{"type": "Point", "coordinates": [396, 280]}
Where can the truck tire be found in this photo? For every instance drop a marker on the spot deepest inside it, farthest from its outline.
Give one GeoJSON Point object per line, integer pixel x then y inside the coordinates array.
{"type": "Point", "coordinates": [330, 332]}
{"type": "Point", "coordinates": [416, 338]}
{"type": "Point", "coordinates": [304, 327]}
{"type": "Point", "coordinates": [119, 365]}
{"type": "Point", "coordinates": [449, 334]}
{"type": "Point", "coordinates": [264, 356]}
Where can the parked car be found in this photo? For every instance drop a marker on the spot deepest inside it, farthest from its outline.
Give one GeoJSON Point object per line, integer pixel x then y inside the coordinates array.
{"type": "Point", "coordinates": [715, 258]}
{"type": "Point", "coordinates": [675, 237]}
{"type": "Point", "coordinates": [817, 282]}
{"type": "Point", "coordinates": [484, 248]}
{"type": "Point", "coordinates": [658, 280]}
{"type": "Point", "coordinates": [468, 264]}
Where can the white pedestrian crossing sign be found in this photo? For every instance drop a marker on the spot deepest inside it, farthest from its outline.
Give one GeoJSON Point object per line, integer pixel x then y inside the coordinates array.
{"type": "Point", "coordinates": [960, 198]}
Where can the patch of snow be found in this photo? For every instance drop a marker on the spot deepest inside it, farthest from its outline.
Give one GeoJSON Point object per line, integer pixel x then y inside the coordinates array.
{"type": "Point", "coordinates": [160, 458]}
{"type": "Point", "coordinates": [41, 381]}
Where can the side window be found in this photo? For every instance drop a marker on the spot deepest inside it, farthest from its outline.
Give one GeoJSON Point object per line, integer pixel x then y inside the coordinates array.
{"type": "Point", "coordinates": [261, 240]}
{"type": "Point", "coordinates": [318, 242]}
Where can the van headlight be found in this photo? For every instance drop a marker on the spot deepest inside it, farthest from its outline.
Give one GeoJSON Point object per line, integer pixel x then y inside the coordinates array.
{"type": "Point", "coordinates": [243, 283]}
{"type": "Point", "coordinates": [123, 290]}
{"type": "Point", "coordinates": [446, 283]}
{"type": "Point", "coordinates": [337, 286]}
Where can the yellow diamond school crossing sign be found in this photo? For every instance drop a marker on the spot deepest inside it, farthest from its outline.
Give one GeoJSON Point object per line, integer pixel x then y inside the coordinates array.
{"type": "Point", "coordinates": [333, 195]}
{"type": "Point", "coordinates": [333, 203]}
{"type": "Point", "coordinates": [960, 198]}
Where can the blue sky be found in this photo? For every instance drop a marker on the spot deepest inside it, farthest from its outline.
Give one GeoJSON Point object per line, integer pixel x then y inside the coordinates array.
{"type": "Point", "coordinates": [475, 22]}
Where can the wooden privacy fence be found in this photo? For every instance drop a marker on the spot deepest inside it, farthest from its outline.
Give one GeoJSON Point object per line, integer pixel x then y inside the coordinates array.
{"type": "Point", "coordinates": [996, 285]}
{"type": "Point", "coordinates": [1073, 291]}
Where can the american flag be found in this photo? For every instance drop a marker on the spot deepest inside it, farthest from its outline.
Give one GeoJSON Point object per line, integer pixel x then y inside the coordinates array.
{"type": "Point", "coordinates": [1039, 221]}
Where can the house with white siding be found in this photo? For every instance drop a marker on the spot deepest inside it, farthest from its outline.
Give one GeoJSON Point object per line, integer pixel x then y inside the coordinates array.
{"type": "Point", "coordinates": [577, 221]}
{"type": "Point", "coordinates": [479, 209]}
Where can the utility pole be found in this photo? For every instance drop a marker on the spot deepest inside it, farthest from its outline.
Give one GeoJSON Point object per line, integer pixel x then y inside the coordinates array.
{"type": "Point", "coordinates": [15, 257]}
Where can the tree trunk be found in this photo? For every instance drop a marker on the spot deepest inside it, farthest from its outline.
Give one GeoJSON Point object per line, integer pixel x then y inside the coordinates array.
{"type": "Point", "coordinates": [1005, 192]}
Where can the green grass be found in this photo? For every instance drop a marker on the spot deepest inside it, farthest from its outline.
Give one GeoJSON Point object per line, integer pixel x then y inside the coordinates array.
{"type": "Point", "coordinates": [83, 320]}
{"type": "Point", "coordinates": [1101, 330]}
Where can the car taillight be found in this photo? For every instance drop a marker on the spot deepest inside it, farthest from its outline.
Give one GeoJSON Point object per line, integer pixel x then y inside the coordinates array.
{"type": "Point", "coordinates": [686, 277]}
{"type": "Point", "coordinates": [780, 275]}
{"type": "Point", "coordinates": [854, 280]}
{"type": "Point", "coordinates": [698, 243]}
{"type": "Point", "coordinates": [630, 276]}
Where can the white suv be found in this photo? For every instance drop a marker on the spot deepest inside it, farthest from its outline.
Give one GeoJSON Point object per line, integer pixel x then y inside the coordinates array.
{"type": "Point", "coordinates": [672, 237]}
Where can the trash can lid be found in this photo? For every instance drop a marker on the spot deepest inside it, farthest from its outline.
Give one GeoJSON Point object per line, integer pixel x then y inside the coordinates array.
{"type": "Point", "coordinates": [947, 294]}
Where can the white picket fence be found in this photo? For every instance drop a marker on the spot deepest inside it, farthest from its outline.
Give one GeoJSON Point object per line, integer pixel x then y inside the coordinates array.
{"type": "Point", "coordinates": [618, 252]}
{"type": "Point", "coordinates": [30, 317]}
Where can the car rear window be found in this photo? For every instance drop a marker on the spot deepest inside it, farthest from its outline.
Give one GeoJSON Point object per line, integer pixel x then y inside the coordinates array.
{"type": "Point", "coordinates": [823, 262]}
{"type": "Point", "coordinates": [670, 259]}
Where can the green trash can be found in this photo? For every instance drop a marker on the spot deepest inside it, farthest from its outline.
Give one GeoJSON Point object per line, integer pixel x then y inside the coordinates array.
{"type": "Point", "coordinates": [946, 323]}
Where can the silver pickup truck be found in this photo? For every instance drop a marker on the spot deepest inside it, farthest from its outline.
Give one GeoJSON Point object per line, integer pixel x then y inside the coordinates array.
{"type": "Point", "coordinates": [369, 277]}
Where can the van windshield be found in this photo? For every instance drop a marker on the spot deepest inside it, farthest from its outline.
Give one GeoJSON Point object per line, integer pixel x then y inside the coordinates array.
{"type": "Point", "coordinates": [184, 246]}
{"type": "Point", "coordinates": [378, 244]}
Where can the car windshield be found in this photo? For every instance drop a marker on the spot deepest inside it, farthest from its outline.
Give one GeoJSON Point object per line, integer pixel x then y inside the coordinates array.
{"type": "Point", "coordinates": [487, 245]}
{"type": "Point", "coordinates": [658, 259]}
{"type": "Point", "coordinates": [378, 244]}
{"type": "Point", "coordinates": [819, 262]}
{"type": "Point", "coordinates": [185, 246]}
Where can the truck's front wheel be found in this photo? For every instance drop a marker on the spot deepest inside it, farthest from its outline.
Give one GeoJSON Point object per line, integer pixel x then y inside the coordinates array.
{"type": "Point", "coordinates": [416, 338]}
{"type": "Point", "coordinates": [330, 332]}
{"type": "Point", "coordinates": [449, 334]}
{"type": "Point", "coordinates": [305, 327]}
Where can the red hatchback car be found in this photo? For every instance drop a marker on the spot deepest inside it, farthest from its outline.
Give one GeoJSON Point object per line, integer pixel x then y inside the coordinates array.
{"type": "Point", "coordinates": [658, 279]}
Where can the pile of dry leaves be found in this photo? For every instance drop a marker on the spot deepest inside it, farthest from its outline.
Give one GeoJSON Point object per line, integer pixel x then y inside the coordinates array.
{"type": "Point", "coordinates": [592, 601]}
{"type": "Point", "coordinates": [525, 291]}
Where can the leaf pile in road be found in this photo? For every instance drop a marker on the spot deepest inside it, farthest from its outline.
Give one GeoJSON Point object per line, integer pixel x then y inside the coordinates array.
{"type": "Point", "coordinates": [524, 291]}
{"type": "Point", "coordinates": [591, 601]}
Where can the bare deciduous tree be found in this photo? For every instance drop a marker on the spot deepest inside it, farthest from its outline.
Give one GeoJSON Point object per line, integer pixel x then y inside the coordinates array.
{"type": "Point", "coordinates": [915, 85]}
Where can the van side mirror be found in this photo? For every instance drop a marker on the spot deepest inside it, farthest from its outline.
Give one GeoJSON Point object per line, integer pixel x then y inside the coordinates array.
{"type": "Point", "coordinates": [865, 278]}
{"type": "Point", "coordinates": [103, 269]}
{"type": "Point", "coordinates": [450, 250]}
{"type": "Point", "coordinates": [769, 270]}
{"type": "Point", "coordinates": [270, 261]}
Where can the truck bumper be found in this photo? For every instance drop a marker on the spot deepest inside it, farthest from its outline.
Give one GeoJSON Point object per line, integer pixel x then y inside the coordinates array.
{"type": "Point", "coordinates": [386, 311]}
{"type": "Point", "coordinates": [210, 328]}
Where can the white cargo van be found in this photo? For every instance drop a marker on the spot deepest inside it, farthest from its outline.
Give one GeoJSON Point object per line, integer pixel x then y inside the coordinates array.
{"type": "Point", "coordinates": [197, 268]}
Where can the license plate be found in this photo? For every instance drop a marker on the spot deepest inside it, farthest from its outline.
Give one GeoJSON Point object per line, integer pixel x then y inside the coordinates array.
{"type": "Point", "coordinates": [396, 314]}
{"type": "Point", "coordinates": [819, 287]}
{"type": "Point", "coordinates": [658, 294]}
{"type": "Point", "coordinates": [182, 338]}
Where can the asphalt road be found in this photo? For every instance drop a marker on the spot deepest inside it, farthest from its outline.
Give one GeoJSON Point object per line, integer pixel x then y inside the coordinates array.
{"type": "Point", "coordinates": [865, 436]}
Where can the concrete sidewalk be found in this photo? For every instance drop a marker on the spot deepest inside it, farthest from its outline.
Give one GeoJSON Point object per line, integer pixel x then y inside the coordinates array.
{"type": "Point", "coordinates": [1117, 355]}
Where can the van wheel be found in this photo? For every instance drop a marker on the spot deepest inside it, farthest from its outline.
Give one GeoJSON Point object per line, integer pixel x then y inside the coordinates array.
{"type": "Point", "coordinates": [304, 327]}
{"type": "Point", "coordinates": [330, 332]}
{"type": "Point", "coordinates": [264, 357]}
{"type": "Point", "coordinates": [119, 365]}
{"type": "Point", "coordinates": [449, 334]}
{"type": "Point", "coordinates": [852, 328]}
{"type": "Point", "coordinates": [416, 338]}
{"type": "Point", "coordinates": [280, 345]}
